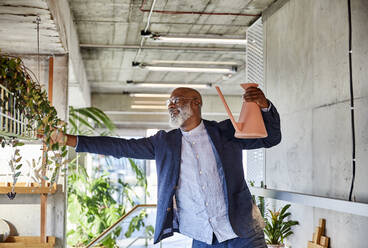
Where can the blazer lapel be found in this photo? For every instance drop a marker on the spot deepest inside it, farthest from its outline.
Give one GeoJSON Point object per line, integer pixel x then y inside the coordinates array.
{"type": "Point", "coordinates": [175, 146]}
{"type": "Point", "coordinates": [215, 137]}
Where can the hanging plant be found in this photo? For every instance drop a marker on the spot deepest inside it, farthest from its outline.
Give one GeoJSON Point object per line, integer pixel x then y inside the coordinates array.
{"type": "Point", "coordinates": [31, 102]}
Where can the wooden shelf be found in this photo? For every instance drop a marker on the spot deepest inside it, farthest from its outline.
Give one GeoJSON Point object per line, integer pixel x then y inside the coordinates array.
{"type": "Point", "coordinates": [27, 241]}
{"type": "Point", "coordinates": [32, 188]}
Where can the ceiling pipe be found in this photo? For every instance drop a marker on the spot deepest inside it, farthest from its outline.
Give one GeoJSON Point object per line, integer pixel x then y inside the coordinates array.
{"type": "Point", "coordinates": [145, 30]}
{"type": "Point", "coordinates": [170, 12]}
{"type": "Point", "coordinates": [134, 47]}
{"type": "Point", "coordinates": [149, 16]}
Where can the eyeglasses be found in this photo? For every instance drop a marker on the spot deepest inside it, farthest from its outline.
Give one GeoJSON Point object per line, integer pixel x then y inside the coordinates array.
{"type": "Point", "coordinates": [176, 100]}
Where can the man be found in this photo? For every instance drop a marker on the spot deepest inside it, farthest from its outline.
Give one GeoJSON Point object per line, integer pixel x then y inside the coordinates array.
{"type": "Point", "coordinates": [201, 188]}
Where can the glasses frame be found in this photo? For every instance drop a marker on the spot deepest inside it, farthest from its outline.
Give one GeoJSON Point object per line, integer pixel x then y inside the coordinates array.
{"type": "Point", "coordinates": [177, 100]}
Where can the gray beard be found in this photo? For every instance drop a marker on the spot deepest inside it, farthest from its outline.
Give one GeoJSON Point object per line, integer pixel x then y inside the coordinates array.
{"type": "Point", "coordinates": [184, 114]}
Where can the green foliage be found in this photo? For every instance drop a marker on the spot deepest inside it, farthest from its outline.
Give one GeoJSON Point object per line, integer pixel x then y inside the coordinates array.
{"type": "Point", "coordinates": [86, 120]}
{"type": "Point", "coordinates": [259, 201]}
{"type": "Point", "coordinates": [137, 222]}
{"type": "Point", "coordinates": [91, 207]}
{"type": "Point", "coordinates": [32, 102]}
{"type": "Point", "coordinates": [277, 227]}
{"type": "Point", "coordinates": [15, 164]}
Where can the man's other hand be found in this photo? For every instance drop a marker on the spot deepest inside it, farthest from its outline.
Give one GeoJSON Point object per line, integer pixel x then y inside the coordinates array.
{"type": "Point", "coordinates": [256, 95]}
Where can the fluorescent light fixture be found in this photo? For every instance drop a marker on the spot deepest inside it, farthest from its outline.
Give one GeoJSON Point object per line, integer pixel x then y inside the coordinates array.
{"type": "Point", "coordinates": [149, 102]}
{"type": "Point", "coordinates": [149, 95]}
{"type": "Point", "coordinates": [194, 62]}
{"type": "Point", "coordinates": [159, 85]}
{"type": "Point", "coordinates": [171, 39]}
{"type": "Point", "coordinates": [147, 107]}
{"type": "Point", "coordinates": [231, 70]}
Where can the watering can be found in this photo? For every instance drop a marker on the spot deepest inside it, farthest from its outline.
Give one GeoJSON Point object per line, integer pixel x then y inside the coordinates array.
{"type": "Point", "coordinates": [250, 124]}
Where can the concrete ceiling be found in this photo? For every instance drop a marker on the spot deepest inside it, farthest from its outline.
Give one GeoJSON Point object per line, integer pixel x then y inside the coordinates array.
{"type": "Point", "coordinates": [18, 28]}
{"type": "Point", "coordinates": [109, 34]}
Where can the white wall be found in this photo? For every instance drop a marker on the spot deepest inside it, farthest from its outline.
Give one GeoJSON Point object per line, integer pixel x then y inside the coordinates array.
{"type": "Point", "coordinates": [307, 77]}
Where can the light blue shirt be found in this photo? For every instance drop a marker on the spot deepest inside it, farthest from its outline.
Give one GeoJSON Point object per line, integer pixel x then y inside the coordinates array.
{"type": "Point", "coordinates": [200, 198]}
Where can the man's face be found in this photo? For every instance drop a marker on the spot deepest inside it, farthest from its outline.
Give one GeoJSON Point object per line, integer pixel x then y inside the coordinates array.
{"type": "Point", "coordinates": [179, 110]}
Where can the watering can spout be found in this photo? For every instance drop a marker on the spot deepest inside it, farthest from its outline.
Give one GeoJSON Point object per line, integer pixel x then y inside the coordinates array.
{"type": "Point", "coordinates": [251, 124]}
{"type": "Point", "coordinates": [235, 124]}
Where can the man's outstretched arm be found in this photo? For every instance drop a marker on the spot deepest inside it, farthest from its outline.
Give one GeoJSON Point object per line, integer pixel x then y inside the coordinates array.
{"type": "Point", "coordinates": [118, 147]}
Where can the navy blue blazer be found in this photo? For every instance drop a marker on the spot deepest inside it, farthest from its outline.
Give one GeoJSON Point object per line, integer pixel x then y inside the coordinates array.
{"type": "Point", "coordinates": [165, 148]}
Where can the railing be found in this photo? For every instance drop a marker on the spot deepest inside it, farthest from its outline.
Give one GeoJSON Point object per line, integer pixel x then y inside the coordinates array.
{"type": "Point", "coordinates": [12, 121]}
{"type": "Point", "coordinates": [117, 223]}
{"type": "Point", "coordinates": [356, 208]}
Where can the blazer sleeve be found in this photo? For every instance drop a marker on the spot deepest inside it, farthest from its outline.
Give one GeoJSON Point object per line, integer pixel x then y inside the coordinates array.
{"type": "Point", "coordinates": [272, 123]}
{"type": "Point", "coordinates": [118, 147]}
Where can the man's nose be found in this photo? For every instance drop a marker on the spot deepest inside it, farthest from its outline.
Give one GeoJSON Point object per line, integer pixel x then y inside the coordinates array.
{"type": "Point", "coordinates": [171, 105]}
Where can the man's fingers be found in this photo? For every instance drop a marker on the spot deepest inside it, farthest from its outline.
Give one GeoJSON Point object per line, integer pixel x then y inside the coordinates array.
{"type": "Point", "coordinates": [254, 96]}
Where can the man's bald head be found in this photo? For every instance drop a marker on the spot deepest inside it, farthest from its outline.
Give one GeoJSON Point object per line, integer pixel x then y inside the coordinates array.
{"type": "Point", "coordinates": [187, 93]}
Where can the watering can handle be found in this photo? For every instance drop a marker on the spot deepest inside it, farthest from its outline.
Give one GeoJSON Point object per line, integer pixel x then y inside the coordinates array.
{"type": "Point", "coordinates": [227, 109]}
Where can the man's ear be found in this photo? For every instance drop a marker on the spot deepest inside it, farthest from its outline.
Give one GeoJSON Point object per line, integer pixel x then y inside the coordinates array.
{"type": "Point", "coordinates": [197, 102]}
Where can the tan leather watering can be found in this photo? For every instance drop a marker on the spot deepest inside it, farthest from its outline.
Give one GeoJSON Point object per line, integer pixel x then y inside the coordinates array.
{"type": "Point", "coordinates": [250, 124]}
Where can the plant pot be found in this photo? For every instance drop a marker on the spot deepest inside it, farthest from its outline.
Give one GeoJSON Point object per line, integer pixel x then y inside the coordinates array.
{"type": "Point", "coordinates": [276, 246]}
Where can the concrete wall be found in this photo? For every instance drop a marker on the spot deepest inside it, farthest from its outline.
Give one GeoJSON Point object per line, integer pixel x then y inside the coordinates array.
{"type": "Point", "coordinates": [79, 89]}
{"type": "Point", "coordinates": [60, 80]}
{"type": "Point", "coordinates": [307, 77]}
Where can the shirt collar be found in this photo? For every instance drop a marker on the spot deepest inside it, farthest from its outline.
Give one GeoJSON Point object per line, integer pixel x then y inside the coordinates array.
{"type": "Point", "coordinates": [197, 130]}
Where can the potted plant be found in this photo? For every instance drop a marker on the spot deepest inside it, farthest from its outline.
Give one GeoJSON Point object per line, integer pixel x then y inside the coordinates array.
{"type": "Point", "coordinates": [278, 227]}
{"type": "Point", "coordinates": [25, 110]}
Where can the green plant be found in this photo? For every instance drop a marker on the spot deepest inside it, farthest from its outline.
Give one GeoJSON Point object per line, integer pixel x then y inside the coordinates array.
{"type": "Point", "coordinates": [86, 120]}
{"type": "Point", "coordinates": [259, 201]}
{"type": "Point", "coordinates": [277, 227]}
{"type": "Point", "coordinates": [91, 207]}
{"type": "Point", "coordinates": [136, 223]}
{"type": "Point", "coordinates": [31, 102]}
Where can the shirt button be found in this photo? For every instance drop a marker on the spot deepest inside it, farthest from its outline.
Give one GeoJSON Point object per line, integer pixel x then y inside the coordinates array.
{"type": "Point", "coordinates": [197, 156]}
{"type": "Point", "coordinates": [203, 187]}
{"type": "Point", "coordinates": [200, 172]}
{"type": "Point", "coordinates": [193, 143]}
{"type": "Point", "coordinates": [206, 203]}
{"type": "Point", "coordinates": [209, 219]}
{"type": "Point", "coordinates": [168, 209]}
